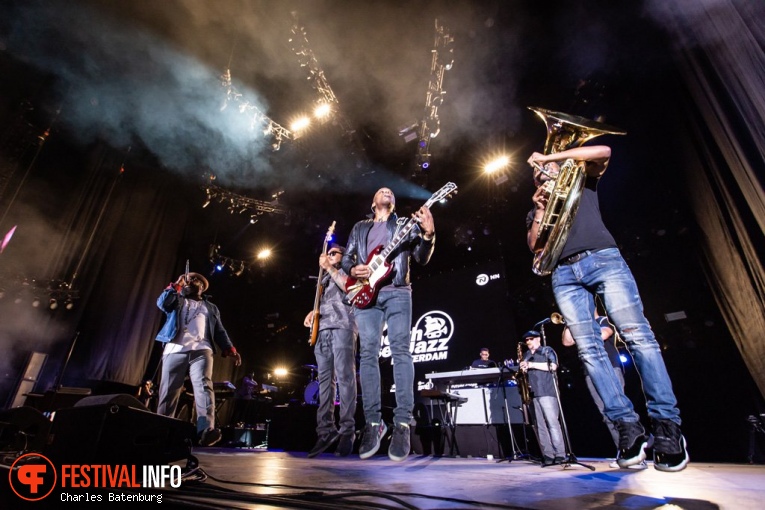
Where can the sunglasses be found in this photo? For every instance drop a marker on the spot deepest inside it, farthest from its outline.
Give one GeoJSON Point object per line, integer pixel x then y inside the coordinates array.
{"type": "Point", "coordinates": [333, 253]}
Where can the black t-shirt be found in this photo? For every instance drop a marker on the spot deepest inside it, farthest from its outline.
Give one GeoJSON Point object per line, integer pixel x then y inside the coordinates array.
{"type": "Point", "coordinates": [479, 363]}
{"type": "Point", "coordinates": [541, 381]}
{"type": "Point", "coordinates": [588, 232]}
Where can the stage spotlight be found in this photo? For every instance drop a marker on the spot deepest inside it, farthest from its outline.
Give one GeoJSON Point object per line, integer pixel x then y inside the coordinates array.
{"type": "Point", "coordinates": [496, 164]}
{"type": "Point", "coordinates": [300, 124]}
{"type": "Point", "coordinates": [322, 111]}
{"type": "Point", "coordinates": [264, 254]}
{"type": "Point", "coordinates": [53, 304]}
{"type": "Point", "coordinates": [69, 304]}
{"type": "Point", "coordinates": [281, 372]}
{"type": "Point", "coordinates": [219, 267]}
{"type": "Point", "coordinates": [36, 302]}
{"type": "Point", "coordinates": [253, 219]}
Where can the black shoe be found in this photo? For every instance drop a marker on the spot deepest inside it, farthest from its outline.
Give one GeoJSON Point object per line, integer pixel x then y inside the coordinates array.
{"type": "Point", "coordinates": [669, 447]}
{"type": "Point", "coordinates": [632, 443]}
{"type": "Point", "coordinates": [370, 443]}
{"type": "Point", "coordinates": [400, 443]}
{"type": "Point", "coordinates": [345, 444]}
{"type": "Point", "coordinates": [547, 461]}
{"type": "Point", "coordinates": [323, 443]}
{"type": "Point", "coordinates": [210, 437]}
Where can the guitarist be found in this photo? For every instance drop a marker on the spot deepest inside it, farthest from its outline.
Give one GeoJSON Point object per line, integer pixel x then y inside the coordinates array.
{"type": "Point", "coordinates": [335, 352]}
{"type": "Point", "coordinates": [392, 306]}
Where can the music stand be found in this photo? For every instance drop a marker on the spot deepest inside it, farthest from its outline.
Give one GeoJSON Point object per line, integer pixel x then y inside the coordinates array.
{"type": "Point", "coordinates": [570, 457]}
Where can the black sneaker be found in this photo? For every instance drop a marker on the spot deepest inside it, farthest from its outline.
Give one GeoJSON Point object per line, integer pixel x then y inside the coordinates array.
{"type": "Point", "coordinates": [669, 447]}
{"type": "Point", "coordinates": [323, 443]}
{"type": "Point", "coordinates": [370, 443]}
{"type": "Point", "coordinates": [400, 443]}
{"type": "Point", "coordinates": [345, 444]}
{"type": "Point", "coordinates": [210, 437]}
{"type": "Point", "coordinates": [632, 443]}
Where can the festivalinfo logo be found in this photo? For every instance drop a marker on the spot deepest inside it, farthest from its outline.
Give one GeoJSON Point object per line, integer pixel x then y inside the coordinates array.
{"type": "Point", "coordinates": [33, 477]}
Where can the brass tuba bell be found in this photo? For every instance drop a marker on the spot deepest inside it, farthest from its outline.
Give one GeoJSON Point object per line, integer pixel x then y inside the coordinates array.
{"type": "Point", "coordinates": [564, 132]}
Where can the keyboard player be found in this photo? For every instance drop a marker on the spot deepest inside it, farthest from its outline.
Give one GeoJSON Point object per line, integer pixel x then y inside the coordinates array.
{"type": "Point", "coordinates": [483, 361]}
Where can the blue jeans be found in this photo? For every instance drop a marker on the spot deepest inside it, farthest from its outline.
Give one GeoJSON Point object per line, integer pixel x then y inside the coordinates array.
{"type": "Point", "coordinates": [395, 309]}
{"type": "Point", "coordinates": [199, 365]}
{"type": "Point", "coordinates": [335, 352]}
{"type": "Point", "coordinates": [605, 273]}
{"type": "Point", "coordinates": [549, 433]}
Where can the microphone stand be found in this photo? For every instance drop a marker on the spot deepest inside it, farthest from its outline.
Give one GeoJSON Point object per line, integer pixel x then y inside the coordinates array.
{"type": "Point", "coordinates": [570, 457]}
{"type": "Point", "coordinates": [516, 454]}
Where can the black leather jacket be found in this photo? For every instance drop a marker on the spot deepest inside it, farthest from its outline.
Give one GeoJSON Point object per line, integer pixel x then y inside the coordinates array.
{"type": "Point", "coordinates": [413, 246]}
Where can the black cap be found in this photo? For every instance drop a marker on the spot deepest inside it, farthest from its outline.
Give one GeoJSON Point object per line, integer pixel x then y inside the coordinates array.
{"type": "Point", "coordinates": [530, 334]}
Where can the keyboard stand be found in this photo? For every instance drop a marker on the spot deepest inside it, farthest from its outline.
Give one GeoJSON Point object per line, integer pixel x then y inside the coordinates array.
{"type": "Point", "coordinates": [448, 405]}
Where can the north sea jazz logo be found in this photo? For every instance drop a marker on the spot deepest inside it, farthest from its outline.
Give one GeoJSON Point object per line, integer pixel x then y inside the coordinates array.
{"type": "Point", "coordinates": [429, 340]}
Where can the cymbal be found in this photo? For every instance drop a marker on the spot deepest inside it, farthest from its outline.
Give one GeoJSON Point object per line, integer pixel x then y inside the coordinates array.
{"type": "Point", "coordinates": [312, 367]}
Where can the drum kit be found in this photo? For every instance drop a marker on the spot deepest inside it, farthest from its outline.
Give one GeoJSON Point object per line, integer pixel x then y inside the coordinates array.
{"type": "Point", "coordinates": [311, 391]}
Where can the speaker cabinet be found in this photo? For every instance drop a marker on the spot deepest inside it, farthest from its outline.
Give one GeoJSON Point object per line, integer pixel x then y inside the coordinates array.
{"type": "Point", "coordinates": [117, 429]}
{"type": "Point", "coordinates": [23, 429]}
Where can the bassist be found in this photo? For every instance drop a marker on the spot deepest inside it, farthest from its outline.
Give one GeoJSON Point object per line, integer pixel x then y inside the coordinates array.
{"type": "Point", "coordinates": [393, 305]}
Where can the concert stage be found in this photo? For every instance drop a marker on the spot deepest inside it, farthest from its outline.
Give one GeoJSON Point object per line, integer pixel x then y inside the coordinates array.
{"type": "Point", "coordinates": [272, 479]}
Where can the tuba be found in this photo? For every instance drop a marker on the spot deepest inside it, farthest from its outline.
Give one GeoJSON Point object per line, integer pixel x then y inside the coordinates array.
{"type": "Point", "coordinates": [563, 132]}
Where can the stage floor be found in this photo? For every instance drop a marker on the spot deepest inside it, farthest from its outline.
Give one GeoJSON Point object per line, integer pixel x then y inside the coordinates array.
{"type": "Point", "coordinates": [252, 478]}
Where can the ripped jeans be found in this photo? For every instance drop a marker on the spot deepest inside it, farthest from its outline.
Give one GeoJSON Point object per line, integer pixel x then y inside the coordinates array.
{"type": "Point", "coordinates": [605, 273]}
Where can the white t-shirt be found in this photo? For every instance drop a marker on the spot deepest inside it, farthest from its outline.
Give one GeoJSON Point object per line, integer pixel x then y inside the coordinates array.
{"type": "Point", "coordinates": [191, 335]}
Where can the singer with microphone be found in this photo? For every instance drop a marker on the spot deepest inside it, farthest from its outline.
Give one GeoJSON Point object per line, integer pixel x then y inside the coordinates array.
{"type": "Point", "coordinates": [192, 333]}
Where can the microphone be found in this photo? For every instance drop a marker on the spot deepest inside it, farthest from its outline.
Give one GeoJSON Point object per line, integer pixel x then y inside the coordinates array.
{"type": "Point", "coordinates": [543, 321]}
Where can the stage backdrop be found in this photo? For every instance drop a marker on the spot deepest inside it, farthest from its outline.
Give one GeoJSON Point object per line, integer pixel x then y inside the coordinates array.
{"type": "Point", "coordinates": [453, 316]}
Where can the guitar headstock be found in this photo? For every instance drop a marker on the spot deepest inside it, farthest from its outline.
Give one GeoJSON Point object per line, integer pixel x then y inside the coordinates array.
{"type": "Point", "coordinates": [446, 191]}
{"type": "Point", "coordinates": [330, 231]}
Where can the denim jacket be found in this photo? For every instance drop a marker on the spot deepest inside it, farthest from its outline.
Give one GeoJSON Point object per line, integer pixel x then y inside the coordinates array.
{"type": "Point", "coordinates": [414, 245]}
{"type": "Point", "coordinates": [171, 303]}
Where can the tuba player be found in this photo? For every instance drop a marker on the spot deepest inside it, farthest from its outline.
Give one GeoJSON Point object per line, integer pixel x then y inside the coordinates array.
{"type": "Point", "coordinates": [590, 264]}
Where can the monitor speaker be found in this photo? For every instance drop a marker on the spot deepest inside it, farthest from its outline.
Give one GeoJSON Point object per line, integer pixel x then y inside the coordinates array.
{"type": "Point", "coordinates": [117, 429]}
{"type": "Point", "coordinates": [23, 429]}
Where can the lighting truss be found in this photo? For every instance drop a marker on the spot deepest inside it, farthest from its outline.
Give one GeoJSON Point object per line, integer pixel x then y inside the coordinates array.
{"type": "Point", "coordinates": [259, 119]}
{"type": "Point", "coordinates": [220, 262]}
{"type": "Point", "coordinates": [430, 125]}
{"type": "Point", "coordinates": [316, 75]}
{"type": "Point", "coordinates": [240, 204]}
{"type": "Point", "coordinates": [58, 292]}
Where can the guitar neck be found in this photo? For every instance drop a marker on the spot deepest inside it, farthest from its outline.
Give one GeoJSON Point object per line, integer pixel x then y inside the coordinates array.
{"type": "Point", "coordinates": [402, 233]}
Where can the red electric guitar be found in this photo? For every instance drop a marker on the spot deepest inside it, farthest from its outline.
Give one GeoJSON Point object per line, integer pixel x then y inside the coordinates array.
{"type": "Point", "coordinates": [363, 292]}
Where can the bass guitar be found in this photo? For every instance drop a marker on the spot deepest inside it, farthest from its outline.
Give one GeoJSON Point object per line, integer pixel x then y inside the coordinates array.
{"type": "Point", "coordinates": [319, 291]}
{"type": "Point", "coordinates": [362, 292]}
